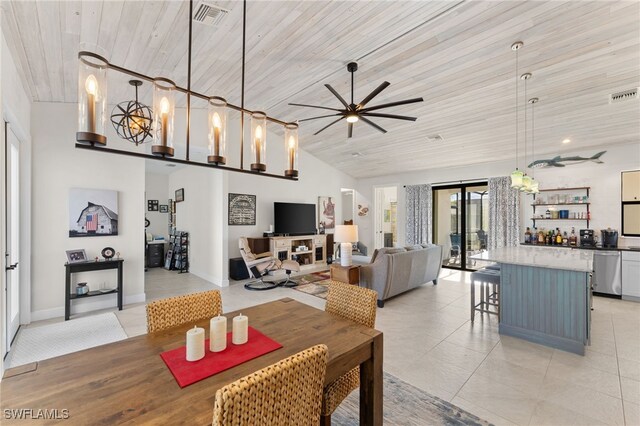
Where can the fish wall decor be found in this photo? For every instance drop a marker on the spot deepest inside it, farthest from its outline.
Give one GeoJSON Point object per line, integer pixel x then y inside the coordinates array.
{"type": "Point", "coordinates": [560, 161]}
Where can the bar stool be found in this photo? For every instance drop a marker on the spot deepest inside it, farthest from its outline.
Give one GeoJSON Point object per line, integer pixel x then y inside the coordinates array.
{"type": "Point", "coordinates": [489, 292]}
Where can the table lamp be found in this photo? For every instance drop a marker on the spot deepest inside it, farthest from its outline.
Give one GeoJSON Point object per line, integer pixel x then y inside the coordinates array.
{"type": "Point", "coordinates": [346, 235]}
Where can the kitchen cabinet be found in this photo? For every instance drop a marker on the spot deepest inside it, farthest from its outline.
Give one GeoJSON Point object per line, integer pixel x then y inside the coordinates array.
{"type": "Point", "coordinates": [631, 186]}
{"type": "Point", "coordinates": [631, 275]}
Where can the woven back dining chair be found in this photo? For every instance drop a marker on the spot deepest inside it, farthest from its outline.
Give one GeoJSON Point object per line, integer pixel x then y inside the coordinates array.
{"type": "Point", "coordinates": [288, 392]}
{"type": "Point", "coordinates": [167, 313]}
{"type": "Point", "coordinates": [357, 304]}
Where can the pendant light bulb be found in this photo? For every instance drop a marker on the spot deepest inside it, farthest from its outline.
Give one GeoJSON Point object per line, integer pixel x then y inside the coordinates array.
{"type": "Point", "coordinates": [516, 175]}
{"type": "Point", "coordinates": [91, 85]}
{"type": "Point", "coordinates": [352, 118]}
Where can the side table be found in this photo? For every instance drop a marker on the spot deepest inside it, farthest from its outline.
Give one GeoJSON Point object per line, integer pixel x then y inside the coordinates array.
{"type": "Point", "coordinates": [345, 274]}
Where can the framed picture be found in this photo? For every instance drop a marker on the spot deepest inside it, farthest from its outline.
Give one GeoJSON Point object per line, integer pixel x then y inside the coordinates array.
{"type": "Point", "coordinates": [93, 212]}
{"type": "Point", "coordinates": [242, 209]}
{"type": "Point", "coordinates": [363, 209]}
{"type": "Point", "coordinates": [327, 212]}
{"type": "Point", "coordinates": [152, 205]}
{"type": "Point", "coordinates": [164, 208]}
{"type": "Point", "coordinates": [179, 195]}
{"type": "Point", "coordinates": [76, 256]}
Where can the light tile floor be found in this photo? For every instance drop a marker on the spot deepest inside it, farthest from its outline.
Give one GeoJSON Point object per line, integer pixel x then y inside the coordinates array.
{"type": "Point", "coordinates": [430, 343]}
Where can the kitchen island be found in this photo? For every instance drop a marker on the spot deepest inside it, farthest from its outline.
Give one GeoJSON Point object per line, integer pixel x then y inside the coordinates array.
{"type": "Point", "coordinates": [545, 295]}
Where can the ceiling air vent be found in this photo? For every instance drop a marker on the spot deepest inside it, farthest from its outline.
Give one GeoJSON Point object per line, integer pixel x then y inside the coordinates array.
{"type": "Point", "coordinates": [208, 13]}
{"type": "Point", "coordinates": [623, 96]}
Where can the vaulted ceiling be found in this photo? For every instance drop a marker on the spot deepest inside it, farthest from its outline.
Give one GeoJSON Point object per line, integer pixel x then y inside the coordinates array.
{"type": "Point", "coordinates": [456, 55]}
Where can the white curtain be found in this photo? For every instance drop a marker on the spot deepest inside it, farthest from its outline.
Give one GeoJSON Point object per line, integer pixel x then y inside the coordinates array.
{"type": "Point", "coordinates": [504, 214]}
{"type": "Point", "coordinates": [419, 210]}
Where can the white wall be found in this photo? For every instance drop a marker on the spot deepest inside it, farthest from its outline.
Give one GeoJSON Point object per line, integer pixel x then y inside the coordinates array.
{"type": "Point", "coordinates": [57, 167]}
{"type": "Point", "coordinates": [157, 188]}
{"type": "Point", "coordinates": [203, 215]}
{"type": "Point", "coordinates": [604, 180]}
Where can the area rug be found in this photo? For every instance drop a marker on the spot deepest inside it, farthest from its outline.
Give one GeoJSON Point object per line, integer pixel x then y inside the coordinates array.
{"type": "Point", "coordinates": [315, 284]}
{"type": "Point", "coordinates": [406, 405]}
{"type": "Point", "coordinates": [51, 340]}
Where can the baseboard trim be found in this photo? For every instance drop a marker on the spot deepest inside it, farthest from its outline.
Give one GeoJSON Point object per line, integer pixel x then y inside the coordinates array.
{"type": "Point", "coordinates": [81, 306]}
{"type": "Point", "coordinates": [220, 282]}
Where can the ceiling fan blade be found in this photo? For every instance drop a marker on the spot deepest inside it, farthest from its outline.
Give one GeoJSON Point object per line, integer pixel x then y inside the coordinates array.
{"type": "Point", "coordinates": [373, 94]}
{"type": "Point", "coordinates": [391, 104]}
{"type": "Point", "coordinates": [397, 117]}
{"type": "Point", "coordinates": [320, 116]}
{"type": "Point", "coordinates": [372, 124]}
{"type": "Point", "coordinates": [350, 131]}
{"type": "Point", "coordinates": [314, 106]}
{"type": "Point", "coordinates": [337, 95]}
{"type": "Point", "coordinates": [328, 125]}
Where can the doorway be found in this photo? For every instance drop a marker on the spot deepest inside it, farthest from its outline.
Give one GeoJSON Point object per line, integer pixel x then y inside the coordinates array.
{"type": "Point", "coordinates": [386, 216]}
{"type": "Point", "coordinates": [461, 222]}
{"type": "Point", "coordinates": [12, 234]}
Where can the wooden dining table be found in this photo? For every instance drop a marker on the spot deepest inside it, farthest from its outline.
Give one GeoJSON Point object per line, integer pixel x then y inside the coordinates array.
{"type": "Point", "coordinates": [127, 382]}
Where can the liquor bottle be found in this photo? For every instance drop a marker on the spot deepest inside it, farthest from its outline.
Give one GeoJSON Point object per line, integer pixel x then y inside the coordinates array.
{"type": "Point", "coordinates": [558, 237]}
{"type": "Point", "coordinates": [541, 237]}
{"type": "Point", "coordinates": [527, 236]}
{"type": "Point", "coordinates": [534, 236]}
{"type": "Point", "coordinates": [565, 239]}
{"type": "Point", "coordinates": [573, 239]}
{"type": "Point", "coordinates": [547, 239]}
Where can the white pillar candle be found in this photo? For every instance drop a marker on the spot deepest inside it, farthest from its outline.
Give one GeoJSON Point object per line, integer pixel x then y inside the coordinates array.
{"type": "Point", "coordinates": [218, 334]}
{"type": "Point", "coordinates": [195, 344]}
{"type": "Point", "coordinates": [240, 330]}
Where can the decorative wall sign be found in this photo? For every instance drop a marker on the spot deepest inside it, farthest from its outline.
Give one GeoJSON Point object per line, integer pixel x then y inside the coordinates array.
{"type": "Point", "coordinates": [152, 205]}
{"type": "Point", "coordinates": [164, 208]}
{"type": "Point", "coordinates": [179, 195]}
{"type": "Point", "coordinates": [93, 212]}
{"type": "Point", "coordinates": [566, 161]}
{"type": "Point", "coordinates": [242, 209]}
{"type": "Point", "coordinates": [327, 212]}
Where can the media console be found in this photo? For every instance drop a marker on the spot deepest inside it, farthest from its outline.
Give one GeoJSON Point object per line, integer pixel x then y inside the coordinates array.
{"type": "Point", "coordinates": [288, 248]}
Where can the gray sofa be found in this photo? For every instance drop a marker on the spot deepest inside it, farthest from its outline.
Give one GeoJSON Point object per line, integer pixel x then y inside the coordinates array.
{"type": "Point", "coordinates": [393, 271]}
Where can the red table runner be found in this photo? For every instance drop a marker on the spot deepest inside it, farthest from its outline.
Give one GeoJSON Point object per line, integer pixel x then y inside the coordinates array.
{"type": "Point", "coordinates": [189, 372]}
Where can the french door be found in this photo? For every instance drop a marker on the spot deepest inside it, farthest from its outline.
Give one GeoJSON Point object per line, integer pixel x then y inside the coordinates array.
{"type": "Point", "coordinates": [461, 222]}
{"type": "Point", "coordinates": [12, 211]}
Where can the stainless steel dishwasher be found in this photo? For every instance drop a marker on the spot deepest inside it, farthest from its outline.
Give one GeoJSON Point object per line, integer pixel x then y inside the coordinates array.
{"type": "Point", "coordinates": [606, 273]}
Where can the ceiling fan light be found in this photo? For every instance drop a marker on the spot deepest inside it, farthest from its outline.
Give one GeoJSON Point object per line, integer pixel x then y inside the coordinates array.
{"type": "Point", "coordinates": [352, 118]}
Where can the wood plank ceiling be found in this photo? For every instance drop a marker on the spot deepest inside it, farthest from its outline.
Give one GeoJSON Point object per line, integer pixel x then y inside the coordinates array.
{"type": "Point", "coordinates": [454, 54]}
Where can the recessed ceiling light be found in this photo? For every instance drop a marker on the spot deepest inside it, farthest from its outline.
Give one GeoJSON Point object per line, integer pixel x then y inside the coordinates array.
{"type": "Point", "coordinates": [356, 154]}
{"type": "Point", "coordinates": [434, 138]}
{"type": "Point", "coordinates": [170, 165]}
{"type": "Point", "coordinates": [566, 140]}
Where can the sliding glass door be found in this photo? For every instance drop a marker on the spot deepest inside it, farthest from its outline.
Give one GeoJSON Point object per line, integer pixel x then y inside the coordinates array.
{"type": "Point", "coordinates": [460, 222]}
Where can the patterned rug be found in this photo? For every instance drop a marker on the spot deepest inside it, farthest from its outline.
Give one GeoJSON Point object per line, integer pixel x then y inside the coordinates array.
{"type": "Point", "coordinates": [406, 405]}
{"type": "Point", "coordinates": [315, 284]}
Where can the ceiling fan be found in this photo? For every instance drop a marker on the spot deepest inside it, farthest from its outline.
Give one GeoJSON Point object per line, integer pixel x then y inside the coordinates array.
{"type": "Point", "coordinates": [355, 112]}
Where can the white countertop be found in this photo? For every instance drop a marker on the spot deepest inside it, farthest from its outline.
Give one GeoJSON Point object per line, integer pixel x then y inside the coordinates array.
{"type": "Point", "coordinates": [543, 257]}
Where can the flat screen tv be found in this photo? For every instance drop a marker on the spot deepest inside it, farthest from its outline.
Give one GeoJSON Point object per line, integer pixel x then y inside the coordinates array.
{"type": "Point", "coordinates": [294, 218]}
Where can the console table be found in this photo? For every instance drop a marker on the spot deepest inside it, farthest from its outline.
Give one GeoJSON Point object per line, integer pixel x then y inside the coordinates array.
{"type": "Point", "coordinates": [72, 268]}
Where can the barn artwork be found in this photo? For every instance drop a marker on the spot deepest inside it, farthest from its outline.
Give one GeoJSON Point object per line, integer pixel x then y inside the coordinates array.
{"type": "Point", "coordinates": [93, 212]}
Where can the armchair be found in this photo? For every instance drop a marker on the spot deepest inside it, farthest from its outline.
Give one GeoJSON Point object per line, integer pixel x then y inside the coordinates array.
{"type": "Point", "coordinates": [261, 264]}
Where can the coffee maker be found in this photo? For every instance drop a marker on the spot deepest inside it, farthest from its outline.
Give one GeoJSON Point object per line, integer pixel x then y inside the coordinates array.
{"type": "Point", "coordinates": [586, 238]}
{"type": "Point", "coordinates": [609, 238]}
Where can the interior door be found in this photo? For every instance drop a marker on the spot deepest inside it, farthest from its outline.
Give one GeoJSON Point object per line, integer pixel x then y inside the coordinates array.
{"type": "Point", "coordinates": [12, 206]}
{"type": "Point", "coordinates": [379, 237]}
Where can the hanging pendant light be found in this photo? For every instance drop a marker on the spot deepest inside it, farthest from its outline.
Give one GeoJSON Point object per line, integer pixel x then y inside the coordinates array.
{"type": "Point", "coordinates": [92, 98]}
{"type": "Point", "coordinates": [534, 184]}
{"type": "Point", "coordinates": [217, 130]}
{"type": "Point", "coordinates": [163, 116]}
{"type": "Point", "coordinates": [132, 119]}
{"type": "Point", "coordinates": [291, 149]}
{"type": "Point", "coordinates": [526, 179]}
{"type": "Point", "coordinates": [259, 141]}
{"type": "Point", "coordinates": [516, 175]}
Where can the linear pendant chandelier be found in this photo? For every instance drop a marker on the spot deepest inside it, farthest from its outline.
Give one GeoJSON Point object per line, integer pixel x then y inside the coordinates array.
{"type": "Point", "coordinates": [92, 116]}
